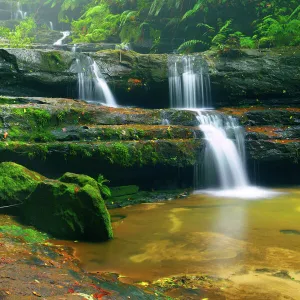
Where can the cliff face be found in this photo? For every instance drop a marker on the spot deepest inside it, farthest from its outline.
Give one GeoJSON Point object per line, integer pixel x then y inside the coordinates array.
{"type": "Point", "coordinates": [241, 77]}
{"type": "Point", "coordinates": [131, 146]}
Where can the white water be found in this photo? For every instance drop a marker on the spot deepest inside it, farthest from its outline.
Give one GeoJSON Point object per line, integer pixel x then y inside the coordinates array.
{"type": "Point", "coordinates": [189, 82]}
{"type": "Point", "coordinates": [51, 25]}
{"type": "Point", "coordinates": [225, 156]}
{"type": "Point", "coordinates": [60, 41]}
{"type": "Point", "coordinates": [92, 87]}
{"type": "Point", "coordinates": [222, 165]}
{"type": "Point", "coordinates": [20, 14]}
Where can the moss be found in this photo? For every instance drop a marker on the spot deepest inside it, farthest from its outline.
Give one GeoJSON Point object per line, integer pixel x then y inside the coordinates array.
{"type": "Point", "coordinates": [53, 61]}
{"type": "Point", "coordinates": [124, 190]}
{"type": "Point", "coordinates": [38, 151]}
{"type": "Point", "coordinates": [79, 179]}
{"type": "Point", "coordinates": [68, 211]}
{"type": "Point", "coordinates": [27, 235]}
{"type": "Point", "coordinates": [16, 183]}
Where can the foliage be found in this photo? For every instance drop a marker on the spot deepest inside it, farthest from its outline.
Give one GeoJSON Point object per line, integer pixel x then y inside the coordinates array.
{"type": "Point", "coordinates": [104, 189]}
{"type": "Point", "coordinates": [22, 35]}
{"type": "Point", "coordinates": [193, 25]}
{"type": "Point", "coordinates": [279, 30]}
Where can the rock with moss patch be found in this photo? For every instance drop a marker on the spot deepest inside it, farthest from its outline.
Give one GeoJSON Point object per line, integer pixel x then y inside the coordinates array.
{"type": "Point", "coordinates": [68, 211]}
{"type": "Point", "coordinates": [16, 183]}
{"type": "Point", "coordinates": [124, 190]}
{"type": "Point", "coordinates": [79, 179]}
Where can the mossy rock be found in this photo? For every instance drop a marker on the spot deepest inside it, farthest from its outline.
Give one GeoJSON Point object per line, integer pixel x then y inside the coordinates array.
{"type": "Point", "coordinates": [79, 179]}
{"type": "Point", "coordinates": [68, 211]}
{"type": "Point", "coordinates": [124, 190]}
{"type": "Point", "coordinates": [26, 235]}
{"type": "Point", "coordinates": [16, 183]}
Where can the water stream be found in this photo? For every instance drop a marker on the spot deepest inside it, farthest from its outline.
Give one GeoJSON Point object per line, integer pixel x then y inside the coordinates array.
{"type": "Point", "coordinates": [189, 82]}
{"type": "Point", "coordinates": [20, 14]}
{"type": "Point", "coordinates": [201, 234]}
{"type": "Point", "coordinates": [92, 87]}
{"type": "Point", "coordinates": [223, 164]}
{"type": "Point", "coordinates": [60, 41]}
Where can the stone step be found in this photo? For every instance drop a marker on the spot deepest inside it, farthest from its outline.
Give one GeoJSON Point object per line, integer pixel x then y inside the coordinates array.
{"type": "Point", "coordinates": [172, 152]}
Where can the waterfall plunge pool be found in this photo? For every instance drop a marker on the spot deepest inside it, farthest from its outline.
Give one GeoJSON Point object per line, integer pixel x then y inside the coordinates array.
{"type": "Point", "coordinates": [200, 234]}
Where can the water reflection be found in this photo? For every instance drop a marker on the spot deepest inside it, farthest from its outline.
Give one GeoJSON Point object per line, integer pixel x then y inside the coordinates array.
{"type": "Point", "coordinates": [199, 235]}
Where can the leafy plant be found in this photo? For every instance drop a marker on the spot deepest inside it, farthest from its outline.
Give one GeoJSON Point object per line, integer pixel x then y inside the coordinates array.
{"type": "Point", "coordinates": [104, 189]}
{"type": "Point", "coordinates": [278, 30]}
{"type": "Point", "coordinates": [22, 35]}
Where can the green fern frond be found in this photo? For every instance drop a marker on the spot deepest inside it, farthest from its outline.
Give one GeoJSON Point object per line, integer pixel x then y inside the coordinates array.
{"type": "Point", "coordinates": [189, 44]}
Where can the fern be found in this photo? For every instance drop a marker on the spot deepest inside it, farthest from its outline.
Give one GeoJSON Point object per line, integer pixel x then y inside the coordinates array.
{"type": "Point", "coordinates": [193, 11]}
{"type": "Point", "coordinates": [189, 45]}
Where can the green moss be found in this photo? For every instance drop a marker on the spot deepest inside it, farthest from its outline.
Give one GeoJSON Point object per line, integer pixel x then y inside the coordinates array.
{"type": "Point", "coordinates": [27, 235]}
{"type": "Point", "coordinates": [120, 154]}
{"type": "Point", "coordinates": [68, 211]}
{"type": "Point", "coordinates": [38, 151]}
{"type": "Point", "coordinates": [53, 61]}
{"type": "Point", "coordinates": [16, 183]}
{"type": "Point", "coordinates": [124, 190]}
{"type": "Point", "coordinates": [33, 116]}
{"type": "Point", "coordinates": [79, 179]}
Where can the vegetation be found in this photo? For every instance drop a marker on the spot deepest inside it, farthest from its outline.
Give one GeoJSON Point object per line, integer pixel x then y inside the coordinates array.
{"type": "Point", "coordinates": [21, 36]}
{"type": "Point", "coordinates": [186, 25]}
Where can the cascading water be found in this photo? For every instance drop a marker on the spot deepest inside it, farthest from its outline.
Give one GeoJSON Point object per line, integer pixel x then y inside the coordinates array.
{"type": "Point", "coordinates": [60, 41]}
{"type": "Point", "coordinates": [223, 165]}
{"type": "Point", "coordinates": [20, 14]}
{"type": "Point", "coordinates": [92, 87]}
{"type": "Point", "coordinates": [51, 25]}
{"type": "Point", "coordinates": [189, 82]}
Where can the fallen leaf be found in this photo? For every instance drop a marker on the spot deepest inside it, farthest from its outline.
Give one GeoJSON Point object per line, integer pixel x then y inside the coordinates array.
{"type": "Point", "coordinates": [36, 294]}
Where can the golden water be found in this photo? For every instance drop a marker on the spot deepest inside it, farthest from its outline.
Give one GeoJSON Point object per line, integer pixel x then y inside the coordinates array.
{"type": "Point", "coordinates": [199, 234]}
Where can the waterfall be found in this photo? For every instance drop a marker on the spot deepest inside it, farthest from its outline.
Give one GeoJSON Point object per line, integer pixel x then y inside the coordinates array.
{"type": "Point", "coordinates": [222, 164]}
{"type": "Point", "coordinates": [224, 157]}
{"type": "Point", "coordinates": [51, 25]}
{"type": "Point", "coordinates": [92, 87]}
{"type": "Point", "coordinates": [189, 82]}
{"type": "Point", "coordinates": [60, 41]}
{"type": "Point", "coordinates": [224, 160]}
{"type": "Point", "coordinates": [20, 14]}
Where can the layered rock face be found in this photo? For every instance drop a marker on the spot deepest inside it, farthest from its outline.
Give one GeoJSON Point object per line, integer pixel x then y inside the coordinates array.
{"type": "Point", "coordinates": [127, 146]}
{"type": "Point", "coordinates": [272, 142]}
{"type": "Point", "coordinates": [131, 146]}
{"type": "Point", "coordinates": [240, 77]}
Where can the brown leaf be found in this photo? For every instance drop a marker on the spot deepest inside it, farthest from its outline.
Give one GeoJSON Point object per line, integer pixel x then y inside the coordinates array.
{"type": "Point", "coordinates": [36, 294]}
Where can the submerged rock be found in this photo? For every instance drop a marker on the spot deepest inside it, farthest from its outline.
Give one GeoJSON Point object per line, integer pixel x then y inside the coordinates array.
{"type": "Point", "coordinates": [68, 210]}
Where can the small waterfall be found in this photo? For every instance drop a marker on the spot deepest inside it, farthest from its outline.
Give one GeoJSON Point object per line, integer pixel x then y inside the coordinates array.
{"type": "Point", "coordinates": [92, 87]}
{"type": "Point", "coordinates": [224, 164]}
{"type": "Point", "coordinates": [20, 14]}
{"type": "Point", "coordinates": [60, 41]}
{"type": "Point", "coordinates": [51, 25]}
{"type": "Point", "coordinates": [165, 122]}
{"type": "Point", "coordinates": [189, 82]}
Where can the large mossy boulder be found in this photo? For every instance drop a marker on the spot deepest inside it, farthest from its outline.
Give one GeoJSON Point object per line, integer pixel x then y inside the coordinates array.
{"type": "Point", "coordinates": [68, 211]}
{"type": "Point", "coordinates": [16, 183]}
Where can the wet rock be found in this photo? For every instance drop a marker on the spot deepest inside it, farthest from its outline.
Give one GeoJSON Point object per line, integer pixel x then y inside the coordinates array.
{"type": "Point", "coordinates": [68, 210]}
{"type": "Point", "coordinates": [124, 190]}
{"type": "Point", "coordinates": [283, 274]}
{"type": "Point", "coordinates": [16, 183]}
{"type": "Point", "coordinates": [290, 231]}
